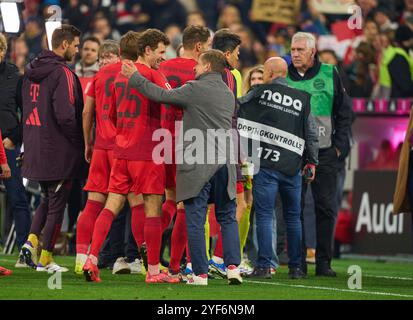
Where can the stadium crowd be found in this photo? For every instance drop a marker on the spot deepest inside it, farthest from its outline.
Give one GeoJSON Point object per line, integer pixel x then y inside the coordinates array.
{"type": "Point", "coordinates": [377, 63]}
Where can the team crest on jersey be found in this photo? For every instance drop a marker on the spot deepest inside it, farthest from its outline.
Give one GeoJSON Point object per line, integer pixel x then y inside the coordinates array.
{"type": "Point", "coordinates": [319, 84]}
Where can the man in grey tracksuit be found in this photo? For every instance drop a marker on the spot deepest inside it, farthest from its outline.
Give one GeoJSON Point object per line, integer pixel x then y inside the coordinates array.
{"type": "Point", "coordinates": [208, 105]}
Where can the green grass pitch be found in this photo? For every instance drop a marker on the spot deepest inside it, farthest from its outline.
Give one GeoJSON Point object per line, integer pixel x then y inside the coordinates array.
{"type": "Point", "coordinates": [380, 280]}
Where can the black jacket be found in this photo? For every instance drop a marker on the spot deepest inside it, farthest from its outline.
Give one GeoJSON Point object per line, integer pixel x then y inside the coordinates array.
{"type": "Point", "coordinates": [402, 83]}
{"type": "Point", "coordinates": [310, 130]}
{"type": "Point", "coordinates": [10, 102]}
{"type": "Point", "coordinates": [341, 109]}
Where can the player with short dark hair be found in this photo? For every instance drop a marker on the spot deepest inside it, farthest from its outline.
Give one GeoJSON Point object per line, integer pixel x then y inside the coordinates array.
{"type": "Point", "coordinates": [229, 44]}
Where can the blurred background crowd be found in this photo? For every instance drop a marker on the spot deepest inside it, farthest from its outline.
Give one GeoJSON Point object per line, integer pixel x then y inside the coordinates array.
{"type": "Point", "coordinates": [358, 53]}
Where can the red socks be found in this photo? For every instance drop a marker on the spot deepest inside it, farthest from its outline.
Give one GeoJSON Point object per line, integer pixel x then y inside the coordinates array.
{"type": "Point", "coordinates": [168, 211]}
{"type": "Point", "coordinates": [153, 239]}
{"type": "Point", "coordinates": [102, 227]}
{"type": "Point", "coordinates": [85, 225]}
{"type": "Point", "coordinates": [218, 247]}
{"type": "Point", "coordinates": [138, 224]}
{"type": "Point", "coordinates": [178, 240]}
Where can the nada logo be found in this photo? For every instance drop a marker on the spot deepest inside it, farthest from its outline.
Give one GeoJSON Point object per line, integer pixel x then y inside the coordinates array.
{"type": "Point", "coordinates": [285, 100]}
{"type": "Point", "coordinates": [319, 84]}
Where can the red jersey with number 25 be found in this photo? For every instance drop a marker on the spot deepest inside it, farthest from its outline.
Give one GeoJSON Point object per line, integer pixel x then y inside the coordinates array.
{"type": "Point", "coordinates": [177, 71]}
{"type": "Point", "coordinates": [137, 117]}
{"type": "Point", "coordinates": [101, 90]}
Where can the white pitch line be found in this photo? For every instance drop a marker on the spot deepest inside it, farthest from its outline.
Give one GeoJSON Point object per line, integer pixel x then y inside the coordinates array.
{"type": "Point", "coordinates": [332, 289]}
{"type": "Point", "coordinates": [387, 277]}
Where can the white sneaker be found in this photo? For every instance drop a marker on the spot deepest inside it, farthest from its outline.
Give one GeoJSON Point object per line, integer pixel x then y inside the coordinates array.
{"type": "Point", "coordinates": [21, 263]}
{"type": "Point", "coordinates": [201, 280]}
{"type": "Point", "coordinates": [245, 267]}
{"type": "Point", "coordinates": [121, 267]}
{"type": "Point", "coordinates": [233, 275]}
{"type": "Point", "coordinates": [51, 267]}
{"type": "Point", "coordinates": [135, 266]}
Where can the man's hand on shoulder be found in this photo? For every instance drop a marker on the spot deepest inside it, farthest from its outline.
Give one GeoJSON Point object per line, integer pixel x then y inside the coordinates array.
{"type": "Point", "coordinates": [128, 68]}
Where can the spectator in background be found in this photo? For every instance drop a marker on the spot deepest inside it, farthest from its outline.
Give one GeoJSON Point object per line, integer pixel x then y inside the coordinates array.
{"type": "Point", "coordinates": [103, 30]}
{"type": "Point", "coordinates": [31, 9]}
{"type": "Point", "coordinates": [33, 36]}
{"type": "Point", "coordinates": [10, 127]}
{"type": "Point", "coordinates": [407, 11]}
{"type": "Point", "coordinates": [229, 15]}
{"type": "Point", "coordinates": [251, 51]}
{"type": "Point", "coordinates": [314, 21]}
{"type": "Point", "coordinates": [367, 7]}
{"type": "Point", "coordinates": [396, 66]}
{"type": "Point", "coordinates": [164, 13]}
{"type": "Point", "coordinates": [361, 72]}
{"type": "Point", "coordinates": [253, 77]}
{"type": "Point", "coordinates": [382, 18]}
{"type": "Point", "coordinates": [370, 36]}
{"type": "Point", "coordinates": [196, 18]}
{"type": "Point", "coordinates": [130, 15]}
{"type": "Point", "coordinates": [81, 12]}
{"type": "Point", "coordinates": [174, 34]}
{"type": "Point", "coordinates": [88, 65]}
{"type": "Point", "coordinates": [330, 57]}
{"type": "Point", "coordinates": [277, 43]}
{"type": "Point", "coordinates": [19, 54]}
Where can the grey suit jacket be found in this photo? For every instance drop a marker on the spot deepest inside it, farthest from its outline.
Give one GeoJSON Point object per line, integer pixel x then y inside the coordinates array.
{"type": "Point", "coordinates": [208, 104]}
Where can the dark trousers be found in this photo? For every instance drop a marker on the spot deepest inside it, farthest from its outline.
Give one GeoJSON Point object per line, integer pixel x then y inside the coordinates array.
{"type": "Point", "coordinates": [323, 189]}
{"type": "Point", "coordinates": [225, 209]}
{"type": "Point", "coordinates": [16, 199]}
{"type": "Point", "coordinates": [49, 215]}
{"type": "Point", "coordinates": [267, 184]}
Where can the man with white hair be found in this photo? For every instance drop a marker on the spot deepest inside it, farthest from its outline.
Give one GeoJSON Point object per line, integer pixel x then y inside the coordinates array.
{"type": "Point", "coordinates": [332, 117]}
{"type": "Point", "coordinates": [279, 117]}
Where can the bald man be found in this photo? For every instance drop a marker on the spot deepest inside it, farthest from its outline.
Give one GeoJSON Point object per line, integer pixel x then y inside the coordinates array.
{"type": "Point", "coordinates": [279, 117]}
{"type": "Point", "coordinates": [274, 68]}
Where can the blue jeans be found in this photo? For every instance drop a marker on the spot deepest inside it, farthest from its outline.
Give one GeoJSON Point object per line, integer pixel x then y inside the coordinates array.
{"type": "Point", "coordinates": [267, 183]}
{"type": "Point", "coordinates": [252, 243]}
{"type": "Point", "coordinates": [17, 200]}
{"type": "Point", "coordinates": [225, 210]}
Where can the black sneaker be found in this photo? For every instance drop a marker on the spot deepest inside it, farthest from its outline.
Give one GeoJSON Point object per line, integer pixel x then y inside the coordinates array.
{"type": "Point", "coordinates": [260, 273]}
{"type": "Point", "coordinates": [325, 271]}
{"type": "Point", "coordinates": [296, 273]}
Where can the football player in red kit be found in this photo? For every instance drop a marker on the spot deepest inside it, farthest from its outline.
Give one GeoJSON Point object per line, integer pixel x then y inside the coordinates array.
{"type": "Point", "coordinates": [178, 71]}
{"type": "Point", "coordinates": [134, 170]}
{"type": "Point", "coordinates": [97, 105]}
